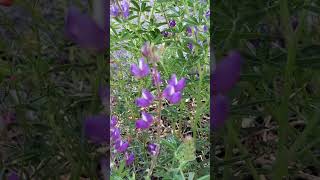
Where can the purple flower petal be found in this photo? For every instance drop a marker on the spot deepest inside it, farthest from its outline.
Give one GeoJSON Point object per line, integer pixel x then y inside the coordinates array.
{"type": "Point", "coordinates": [141, 102]}
{"type": "Point", "coordinates": [141, 124]}
{"type": "Point", "coordinates": [152, 148]}
{"type": "Point", "coordinates": [125, 8]}
{"type": "Point", "coordinates": [114, 10]}
{"type": "Point", "coordinates": [144, 68]}
{"type": "Point", "coordinates": [115, 134]}
{"type": "Point", "coordinates": [96, 128]}
{"type": "Point", "coordinates": [147, 117]}
{"type": "Point", "coordinates": [147, 95]}
{"type": "Point", "coordinates": [135, 70]}
{"type": "Point", "coordinates": [227, 73]}
{"type": "Point", "coordinates": [172, 23]}
{"type": "Point", "coordinates": [84, 31]}
{"type": "Point", "coordinates": [173, 81]}
{"type": "Point", "coordinates": [175, 97]}
{"type": "Point", "coordinates": [168, 91]}
{"type": "Point", "coordinates": [129, 158]}
{"type": "Point", "coordinates": [180, 85]}
{"type": "Point", "coordinates": [220, 110]}
{"type": "Point", "coordinates": [121, 145]}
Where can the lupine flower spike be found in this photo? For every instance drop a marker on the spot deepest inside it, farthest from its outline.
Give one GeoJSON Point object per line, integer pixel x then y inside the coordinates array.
{"type": "Point", "coordinates": [145, 100]}
{"type": "Point", "coordinates": [141, 70]}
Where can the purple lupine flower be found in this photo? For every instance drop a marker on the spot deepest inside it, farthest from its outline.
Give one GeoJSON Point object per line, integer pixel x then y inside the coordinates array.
{"type": "Point", "coordinates": [189, 31]}
{"type": "Point", "coordinates": [220, 110]}
{"type": "Point", "coordinates": [205, 28]}
{"type": "Point", "coordinates": [121, 145]}
{"type": "Point", "coordinates": [13, 176]}
{"type": "Point", "coordinates": [208, 14]}
{"type": "Point", "coordinates": [190, 46]}
{"type": "Point", "coordinates": [141, 70]}
{"type": "Point", "coordinates": [152, 148]}
{"type": "Point", "coordinates": [146, 50]}
{"type": "Point", "coordinates": [113, 122]}
{"type": "Point", "coordinates": [129, 158]}
{"type": "Point", "coordinates": [156, 78]}
{"type": "Point", "coordinates": [84, 31]}
{"type": "Point", "coordinates": [172, 23]}
{"type": "Point", "coordinates": [171, 94]}
{"type": "Point", "coordinates": [114, 10]}
{"type": "Point", "coordinates": [96, 128]}
{"type": "Point", "coordinates": [145, 121]}
{"type": "Point", "coordinates": [165, 33]}
{"type": "Point", "coordinates": [145, 100]}
{"type": "Point", "coordinates": [227, 73]}
{"type": "Point", "coordinates": [178, 85]}
{"type": "Point", "coordinates": [115, 134]}
{"type": "Point", "coordinates": [125, 8]}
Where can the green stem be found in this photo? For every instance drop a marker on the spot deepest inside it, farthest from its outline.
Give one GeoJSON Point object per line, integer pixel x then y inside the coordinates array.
{"type": "Point", "coordinates": [281, 166]}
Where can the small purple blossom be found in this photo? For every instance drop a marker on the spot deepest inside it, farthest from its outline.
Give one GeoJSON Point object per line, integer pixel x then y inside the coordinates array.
{"type": "Point", "coordinates": [165, 33]}
{"type": "Point", "coordinates": [190, 46]}
{"type": "Point", "coordinates": [208, 14]}
{"type": "Point", "coordinates": [125, 8]}
{"type": "Point", "coordinates": [152, 148]}
{"type": "Point", "coordinates": [205, 28]}
{"type": "Point", "coordinates": [129, 158]}
{"type": "Point", "coordinates": [178, 85]}
{"type": "Point", "coordinates": [156, 78]}
{"type": "Point", "coordinates": [96, 128]}
{"type": "Point", "coordinates": [189, 31]}
{"type": "Point", "coordinates": [145, 100]}
{"type": "Point", "coordinates": [84, 31]}
{"type": "Point", "coordinates": [114, 10]}
{"type": "Point", "coordinates": [141, 70]}
{"type": "Point", "coordinates": [172, 23]}
{"type": "Point", "coordinates": [121, 145]}
{"type": "Point", "coordinates": [145, 121]}
{"type": "Point", "coordinates": [115, 134]}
